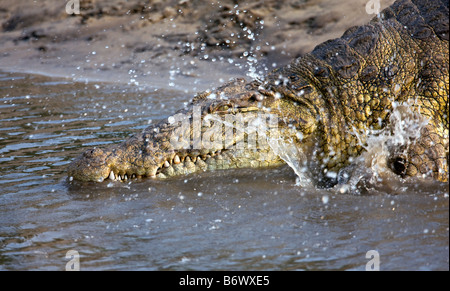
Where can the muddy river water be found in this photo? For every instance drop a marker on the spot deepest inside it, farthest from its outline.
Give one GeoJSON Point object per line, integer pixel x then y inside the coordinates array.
{"type": "Point", "coordinates": [229, 220]}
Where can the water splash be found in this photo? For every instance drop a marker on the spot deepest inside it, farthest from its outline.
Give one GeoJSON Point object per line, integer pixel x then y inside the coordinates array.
{"type": "Point", "coordinates": [371, 170]}
{"type": "Point", "coordinates": [294, 157]}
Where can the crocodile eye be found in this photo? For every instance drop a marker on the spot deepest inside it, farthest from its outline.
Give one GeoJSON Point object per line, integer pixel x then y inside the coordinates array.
{"type": "Point", "coordinates": [219, 108]}
{"type": "Point", "coordinates": [223, 108]}
{"type": "Point", "coordinates": [322, 72]}
{"type": "Point", "coordinates": [293, 77]}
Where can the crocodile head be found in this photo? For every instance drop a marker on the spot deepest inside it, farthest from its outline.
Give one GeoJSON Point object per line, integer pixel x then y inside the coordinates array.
{"type": "Point", "coordinates": [231, 127]}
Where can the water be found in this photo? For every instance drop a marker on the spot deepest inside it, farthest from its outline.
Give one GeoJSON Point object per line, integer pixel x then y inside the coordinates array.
{"type": "Point", "coordinates": [229, 220]}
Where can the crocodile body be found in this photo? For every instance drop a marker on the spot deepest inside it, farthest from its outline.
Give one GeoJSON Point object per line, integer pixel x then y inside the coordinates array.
{"type": "Point", "coordinates": [326, 103]}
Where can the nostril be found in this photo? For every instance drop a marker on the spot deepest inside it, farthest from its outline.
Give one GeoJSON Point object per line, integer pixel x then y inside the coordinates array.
{"type": "Point", "coordinates": [93, 152]}
{"type": "Point", "coordinates": [89, 153]}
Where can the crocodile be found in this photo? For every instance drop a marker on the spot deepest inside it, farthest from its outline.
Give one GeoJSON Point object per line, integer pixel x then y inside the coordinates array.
{"type": "Point", "coordinates": [324, 104]}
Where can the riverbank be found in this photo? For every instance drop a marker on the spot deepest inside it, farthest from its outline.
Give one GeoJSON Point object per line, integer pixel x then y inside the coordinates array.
{"type": "Point", "coordinates": [180, 44]}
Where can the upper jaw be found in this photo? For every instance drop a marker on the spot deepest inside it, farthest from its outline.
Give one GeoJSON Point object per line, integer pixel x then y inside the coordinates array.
{"type": "Point", "coordinates": [151, 154]}
{"type": "Point", "coordinates": [179, 164]}
{"type": "Point", "coordinates": [176, 160]}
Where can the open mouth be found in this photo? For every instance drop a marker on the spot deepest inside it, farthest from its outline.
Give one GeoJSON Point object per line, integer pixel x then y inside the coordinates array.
{"type": "Point", "coordinates": [177, 166]}
{"type": "Point", "coordinates": [210, 135]}
{"type": "Point", "coordinates": [228, 139]}
{"type": "Point", "coordinates": [181, 165]}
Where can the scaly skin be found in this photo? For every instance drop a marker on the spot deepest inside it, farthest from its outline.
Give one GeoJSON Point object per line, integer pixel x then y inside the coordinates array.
{"type": "Point", "coordinates": [325, 102]}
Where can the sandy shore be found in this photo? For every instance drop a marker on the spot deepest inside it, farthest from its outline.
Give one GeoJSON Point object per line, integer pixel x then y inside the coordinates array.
{"type": "Point", "coordinates": [182, 44]}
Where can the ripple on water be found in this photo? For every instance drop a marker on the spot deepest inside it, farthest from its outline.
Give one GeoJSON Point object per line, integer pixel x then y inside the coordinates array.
{"type": "Point", "coordinates": [242, 220]}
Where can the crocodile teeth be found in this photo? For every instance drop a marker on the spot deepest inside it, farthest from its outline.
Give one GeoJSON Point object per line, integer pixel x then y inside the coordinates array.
{"type": "Point", "coordinates": [111, 176]}
{"type": "Point", "coordinates": [166, 164]}
{"type": "Point", "coordinates": [176, 160]}
{"type": "Point", "coordinates": [259, 97]}
{"type": "Point", "coordinates": [153, 172]}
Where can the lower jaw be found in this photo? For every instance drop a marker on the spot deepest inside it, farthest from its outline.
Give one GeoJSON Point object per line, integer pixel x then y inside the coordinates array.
{"type": "Point", "coordinates": [222, 161]}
